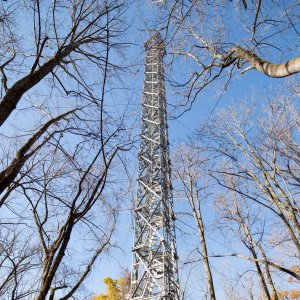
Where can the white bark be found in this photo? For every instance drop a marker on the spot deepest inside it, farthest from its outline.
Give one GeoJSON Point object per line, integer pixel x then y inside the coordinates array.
{"type": "Point", "coordinates": [287, 68]}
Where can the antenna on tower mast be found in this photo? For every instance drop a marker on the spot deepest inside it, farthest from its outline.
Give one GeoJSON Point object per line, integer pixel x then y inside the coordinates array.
{"type": "Point", "coordinates": [154, 271]}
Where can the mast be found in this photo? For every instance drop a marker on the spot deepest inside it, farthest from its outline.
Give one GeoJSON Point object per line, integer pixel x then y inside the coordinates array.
{"type": "Point", "coordinates": [154, 270]}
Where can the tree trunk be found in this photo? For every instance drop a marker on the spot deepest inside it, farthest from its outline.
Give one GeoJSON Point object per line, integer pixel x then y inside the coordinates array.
{"type": "Point", "coordinates": [49, 275]}
{"type": "Point", "coordinates": [268, 273]}
{"type": "Point", "coordinates": [199, 222]}
{"type": "Point", "coordinates": [260, 274]}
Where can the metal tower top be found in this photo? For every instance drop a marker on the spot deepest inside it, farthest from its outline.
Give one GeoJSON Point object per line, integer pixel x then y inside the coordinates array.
{"type": "Point", "coordinates": [159, 1]}
{"type": "Point", "coordinates": [155, 41]}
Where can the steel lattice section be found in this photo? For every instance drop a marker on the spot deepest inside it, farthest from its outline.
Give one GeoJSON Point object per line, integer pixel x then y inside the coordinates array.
{"type": "Point", "coordinates": [155, 271]}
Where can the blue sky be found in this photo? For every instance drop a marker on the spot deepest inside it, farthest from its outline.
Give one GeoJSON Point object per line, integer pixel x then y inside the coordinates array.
{"type": "Point", "coordinates": [248, 84]}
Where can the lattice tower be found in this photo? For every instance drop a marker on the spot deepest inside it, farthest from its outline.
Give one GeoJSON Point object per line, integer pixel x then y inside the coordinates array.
{"type": "Point", "coordinates": [155, 271]}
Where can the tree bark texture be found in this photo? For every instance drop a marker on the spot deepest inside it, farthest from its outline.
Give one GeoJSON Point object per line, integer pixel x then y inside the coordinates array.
{"type": "Point", "coordinates": [285, 69]}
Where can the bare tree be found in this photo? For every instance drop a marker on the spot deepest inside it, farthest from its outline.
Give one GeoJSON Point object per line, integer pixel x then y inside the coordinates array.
{"type": "Point", "coordinates": [17, 261]}
{"type": "Point", "coordinates": [237, 211]}
{"type": "Point", "coordinates": [8, 175]}
{"type": "Point", "coordinates": [187, 170]}
{"type": "Point", "coordinates": [62, 141]}
{"type": "Point", "coordinates": [212, 41]}
{"type": "Point", "coordinates": [254, 158]}
{"type": "Point", "coordinates": [68, 207]}
{"type": "Point", "coordinates": [261, 153]}
{"type": "Point", "coordinates": [67, 38]}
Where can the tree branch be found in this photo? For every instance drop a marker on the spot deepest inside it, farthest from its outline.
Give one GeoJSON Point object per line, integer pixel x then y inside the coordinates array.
{"type": "Point", "coordinates": [8, 175]}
